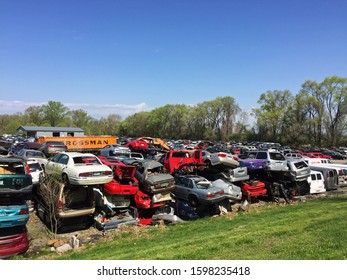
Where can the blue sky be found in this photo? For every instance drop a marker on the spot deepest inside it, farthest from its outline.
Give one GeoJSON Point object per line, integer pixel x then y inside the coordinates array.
{"type": "Point", "coordinates": [125, 56]}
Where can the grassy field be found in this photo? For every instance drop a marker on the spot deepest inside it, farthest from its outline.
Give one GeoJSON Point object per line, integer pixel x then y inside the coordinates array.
{"type": "Point", "coordinates": [311, 230]}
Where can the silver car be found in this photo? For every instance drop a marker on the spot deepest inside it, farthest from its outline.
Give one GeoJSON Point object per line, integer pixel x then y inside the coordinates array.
{"type": "Point", "coordinates": [197, 189]}
{"type": "Point", "coordinates": [298, 170]}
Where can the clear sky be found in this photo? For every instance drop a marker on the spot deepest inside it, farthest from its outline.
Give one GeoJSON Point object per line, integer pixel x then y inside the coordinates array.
{"type": "Point", "coordinates": [124, 56]}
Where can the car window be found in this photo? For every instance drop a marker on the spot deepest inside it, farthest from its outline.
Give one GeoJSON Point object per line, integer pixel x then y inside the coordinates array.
{"type": "Point", "coordinates": [63, 159]}
{"type": "Point", "coordinates": [276, 156]}
{"type": "Point", "coordinates": [319, 176]}
{"type": "Point", "coordinates": [262, 155]}
{"type": "Point", "coordinates": [313, 177]}
{"type": "Point", "coordinates": [56, 157]}
{"type": "Point", "coordinates": [300, 165]}
{"type": "Point", "coordinates": [34, 166]}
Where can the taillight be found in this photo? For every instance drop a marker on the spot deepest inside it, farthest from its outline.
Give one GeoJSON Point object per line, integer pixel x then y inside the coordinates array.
{"type": "Point", "coordinates": [222, 155]}
{"type": "Point", "coordinates": [60, 204]}
{"type": "Point", "coordinates": [24, 211]}
{"type": "Point", "coordinates": [27, 168]}
{"type": "Point", "coordinates": [85, 174]}
{"type": "Point", "coordinates": [107, 173]}
{"type": "Point", "coordinates": [211, 195]}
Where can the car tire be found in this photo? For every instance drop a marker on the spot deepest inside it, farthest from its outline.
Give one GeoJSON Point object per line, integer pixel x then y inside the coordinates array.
{"type": "Point", "coordinates": [65, 179]}
{"type": "Point", "coordinates": [193, 200]}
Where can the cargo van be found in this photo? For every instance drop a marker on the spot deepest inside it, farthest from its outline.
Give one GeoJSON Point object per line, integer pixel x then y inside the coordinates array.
{"type": "Point", "coordinates": [330, 175]}
{"type": "Point", "coordinates": [316, 182]}
{"type": "Point", "coordinates": [341, 171]}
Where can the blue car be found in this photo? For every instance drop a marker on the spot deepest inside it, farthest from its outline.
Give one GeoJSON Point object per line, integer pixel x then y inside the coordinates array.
{"type": "Point", "coordinates": [14, 211]}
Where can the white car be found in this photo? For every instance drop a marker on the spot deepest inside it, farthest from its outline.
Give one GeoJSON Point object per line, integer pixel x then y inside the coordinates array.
{"type": "Point", "coordinates": [220, 158]}
{"type": "Point", "coordinates": [79, 168]}
{"type": "Point", "coordinates": [36, 171]}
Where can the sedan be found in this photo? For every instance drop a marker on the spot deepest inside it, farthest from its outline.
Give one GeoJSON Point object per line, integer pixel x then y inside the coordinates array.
{"type": "Point", "coordinates": [28, 154]}
{"type": "Point", "coordinates": [197, 189]}
{"type": "Point", "coordinates": [79, 168]}
{"type": "Point", "coordinates": [52, 147]}
{"type": "Point", "coordinates": [220, 159]}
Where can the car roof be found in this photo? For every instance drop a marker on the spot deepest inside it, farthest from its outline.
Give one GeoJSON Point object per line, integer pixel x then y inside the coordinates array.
{"type": "Point", "coordinates": [78, 154]}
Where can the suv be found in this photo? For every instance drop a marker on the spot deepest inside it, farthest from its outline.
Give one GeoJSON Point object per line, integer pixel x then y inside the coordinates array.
{"type": "Point", "coordinates": [275, 161]}
{"type": "Point", "coordinates": [298, 170]}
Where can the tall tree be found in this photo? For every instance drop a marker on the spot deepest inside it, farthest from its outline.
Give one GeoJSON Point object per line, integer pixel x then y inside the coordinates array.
{"type": "Point", "coordinates": [55, 112]}
{"type": "Point", "coordinates": [35, 115]}
{"type": "Point", "coordinates": [80, 118]}
{"type": "Point", "coordinates": [272, 116]}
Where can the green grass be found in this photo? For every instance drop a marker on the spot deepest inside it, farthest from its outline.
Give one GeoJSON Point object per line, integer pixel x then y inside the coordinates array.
{"type": "Point", "coordinates": [314, 230]}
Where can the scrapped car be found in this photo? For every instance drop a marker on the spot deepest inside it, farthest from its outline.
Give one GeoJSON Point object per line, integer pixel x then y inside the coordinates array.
{"type": "Point", "coordinates": [186, 211]}
{"type": "Point", "coordinates": [138, 146]}
{"type": "Point", "coordinates": [13, 241]}
{"type": "Point", "coordinates": [156, 143]}
{"type": "Point", "coordinates": [79, 168]}
{"type": "Point", "coordinates": [293, 155]}
{"type": "Point", "coordinates": [52, 147]}
{"type": "Point", "coordinates": [178, 160]}
{"type": "Point", "coordinates": [234, 175]}
{"type": "Point", "coordinates": [115, 151]}
{"type": "Point", "coordinates": [15, 177]}
{"type": "Point", "coordinates": [298, 170]}
{"type": "Point", "coordinates": [220, 159]}
{"type": "Point", "coordinates": [14, 211]}
{"type": "Point", "coordinates": [253, 165]}
{"type": "Point", "coordinates": [120, 191]}
{"type": "Point", "coordinates": [36, 171]}
{"type": "Point", "coordinates": [252, 189]}
{"type": "Point", "coordinates": [316, 182]}
{"type": "Point", "coordinates": [197, 190]}
{"type": "Point", "coordinates": [275, 161]}
{"type": "Point", "coordinates": [126, 217]}
{"type": "Point", "coordinates": [71, 206]}
{"type": "Point", "coordinates": [33, 154]}
{"type": "Point", "coordinates": [153, 178]}
{"type": "Point", "coordinates": [231, 191]}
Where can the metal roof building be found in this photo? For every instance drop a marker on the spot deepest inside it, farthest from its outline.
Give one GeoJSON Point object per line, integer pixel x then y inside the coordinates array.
{"type": "Point", "coordinates": [37, 131]}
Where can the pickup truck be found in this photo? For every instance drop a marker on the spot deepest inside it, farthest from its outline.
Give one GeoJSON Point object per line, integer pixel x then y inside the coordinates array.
{"type": "Point", "coordinates": [15, 177]}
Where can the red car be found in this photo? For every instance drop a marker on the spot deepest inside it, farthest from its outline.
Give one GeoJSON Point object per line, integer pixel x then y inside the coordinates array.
{"type": "Point", "coordinates": [253, 189]}
{"type": "Point", "coordinates": [13, 241]}
{"type": "Point", "coordinates": [174, 160]}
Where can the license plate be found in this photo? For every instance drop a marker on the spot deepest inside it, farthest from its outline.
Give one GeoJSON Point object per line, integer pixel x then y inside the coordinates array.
{"type": "Point", "coordinates": [96, 173]}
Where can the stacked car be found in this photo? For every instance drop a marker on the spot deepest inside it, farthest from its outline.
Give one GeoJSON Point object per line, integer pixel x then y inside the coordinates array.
{"type": "Point", "coordinates": [15, 188]}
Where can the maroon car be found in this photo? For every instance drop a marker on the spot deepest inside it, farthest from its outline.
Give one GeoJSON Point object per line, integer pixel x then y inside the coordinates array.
{"type": "Point", "coordinates": [13, 241]}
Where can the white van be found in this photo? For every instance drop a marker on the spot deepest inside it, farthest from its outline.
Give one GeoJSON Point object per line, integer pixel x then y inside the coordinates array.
{"type": "Point", "coordinates": [341, 171]}
{"type": "Point", "coordinates": [316, 182]}
{"type": "Point", "coordinates": [330, 175]}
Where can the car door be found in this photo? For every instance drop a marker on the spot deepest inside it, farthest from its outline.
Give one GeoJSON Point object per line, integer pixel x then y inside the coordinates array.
{"type": "Point", "coordinates": [57, 164]}
{"type": "Point", "coordinates": [181, 188]}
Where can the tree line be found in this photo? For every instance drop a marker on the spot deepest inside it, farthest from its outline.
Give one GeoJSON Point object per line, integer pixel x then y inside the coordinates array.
{"type": "Point", "coordinates": [315, 116]}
